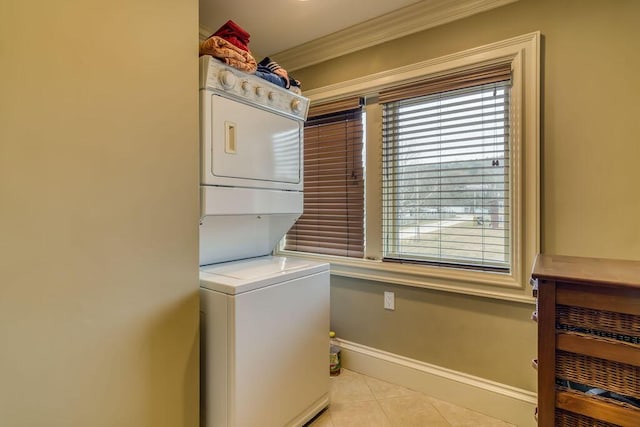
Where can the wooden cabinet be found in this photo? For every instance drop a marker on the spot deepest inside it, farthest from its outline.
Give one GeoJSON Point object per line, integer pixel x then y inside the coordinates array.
{"type": "Point", "coordinates": [588, 362]}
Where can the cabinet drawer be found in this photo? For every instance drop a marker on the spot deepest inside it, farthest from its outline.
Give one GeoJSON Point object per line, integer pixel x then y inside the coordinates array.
{"type": "Point", "coordinates": [609, 375]}
{"type": "Point", "coordinates": [601, 323]}
{"type": "Point", "coordinates": [580, 409]}
{"type": "Point", "coordinates": [570, 419]}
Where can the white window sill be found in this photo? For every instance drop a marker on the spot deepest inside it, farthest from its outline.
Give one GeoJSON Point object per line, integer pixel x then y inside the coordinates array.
{"type": "Point", "coordinates": [481, 284]}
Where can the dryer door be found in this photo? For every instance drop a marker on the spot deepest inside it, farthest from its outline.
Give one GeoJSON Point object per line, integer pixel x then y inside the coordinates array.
{"type": "Point", "coordinates": [246, 146]}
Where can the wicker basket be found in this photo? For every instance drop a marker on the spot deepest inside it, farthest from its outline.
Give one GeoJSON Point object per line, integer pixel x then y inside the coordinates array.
{"type": "Point", "coordinates": [569, 419]}
{"type": "Point", "coordinates": [608, 324]}
{"type": "Point", "coordinates": [606, 374]}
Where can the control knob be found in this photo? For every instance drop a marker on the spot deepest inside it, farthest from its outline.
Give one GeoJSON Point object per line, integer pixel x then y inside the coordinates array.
{"type": "Point", "coordinates": [259, 91]}
{"type": "Point", "coordinates": [246, 86]}
{"type": "Point", "coordinates": [272, 96]}
{"type": "Point", "coordinates": [296, 106]}
{"type": "Point", "coordinates": [227, 79]}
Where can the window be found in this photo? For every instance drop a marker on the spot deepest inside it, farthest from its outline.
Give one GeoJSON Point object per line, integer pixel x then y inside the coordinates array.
{"type": "Point", "coordinates": [451, 175]}
{"type": "Point", "coordinates": [333, 218]}
{"type": "Point", "coordinates": [446, 179]}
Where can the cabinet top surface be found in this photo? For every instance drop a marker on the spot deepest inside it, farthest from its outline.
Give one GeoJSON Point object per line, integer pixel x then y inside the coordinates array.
{"type": "Point", "coordinates": [587, 270]}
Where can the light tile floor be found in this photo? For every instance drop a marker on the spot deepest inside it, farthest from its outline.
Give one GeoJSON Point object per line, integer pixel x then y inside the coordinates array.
{"type": "Point", "coordinates": [360, 401]}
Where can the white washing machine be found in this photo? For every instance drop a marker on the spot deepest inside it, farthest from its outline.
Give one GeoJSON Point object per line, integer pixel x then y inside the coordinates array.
{"type": "Point", "coordinates": [264, 333]}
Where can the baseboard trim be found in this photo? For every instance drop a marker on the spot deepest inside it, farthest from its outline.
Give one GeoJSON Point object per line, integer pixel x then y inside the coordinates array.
{"type": "Point", "coordinates": [497, 400]}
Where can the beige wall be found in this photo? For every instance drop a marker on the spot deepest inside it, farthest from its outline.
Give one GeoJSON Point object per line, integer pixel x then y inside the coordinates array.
{"type": "Point", "coordinates": [98, 213]}
{"type": "Point", "coordinates": [590, 175]}
{"type": "Point", "coordinates": [484, 337]}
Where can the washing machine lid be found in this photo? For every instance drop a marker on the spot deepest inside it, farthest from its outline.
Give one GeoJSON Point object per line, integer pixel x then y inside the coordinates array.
{"type": "Point", "coordinates": [236, 277]}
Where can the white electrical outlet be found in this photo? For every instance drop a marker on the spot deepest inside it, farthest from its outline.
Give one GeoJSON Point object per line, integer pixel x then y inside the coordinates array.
{"type": "Point", "coordinates": [389, 301]}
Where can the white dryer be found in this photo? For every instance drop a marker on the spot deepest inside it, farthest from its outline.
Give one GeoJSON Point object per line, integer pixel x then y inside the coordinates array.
{"type": "Point", "coordinates": [251, 162]}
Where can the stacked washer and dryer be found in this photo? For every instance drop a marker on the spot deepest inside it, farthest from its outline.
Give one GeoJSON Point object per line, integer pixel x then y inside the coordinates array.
{"type": "Point", "coordinates": [264, 319]}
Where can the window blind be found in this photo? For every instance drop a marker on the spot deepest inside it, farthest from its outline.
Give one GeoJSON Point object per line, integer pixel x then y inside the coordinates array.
{"type": "Point", "coordinates": [461, 80]}
{"type": "Point", "coordinates": [333, 219]}
{"type": "Point", "coordinates": [446, 181]}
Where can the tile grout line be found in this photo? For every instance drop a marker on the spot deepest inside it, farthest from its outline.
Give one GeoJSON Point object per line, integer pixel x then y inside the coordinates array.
{"type": "Point", "coordinates": [446, 420]}
{"type": "Point", "coordinates": [421, 393]}
{"type": "Point", "coordinates": [373, 384]}
{"type": "Point", "coordinates": [386, 416]}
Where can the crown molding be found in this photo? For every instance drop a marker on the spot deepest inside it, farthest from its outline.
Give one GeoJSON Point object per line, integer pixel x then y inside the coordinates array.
{"type": "Point", "coordinates": [408, 20]}
{"type": "Point", "coordinates": [485, 55]}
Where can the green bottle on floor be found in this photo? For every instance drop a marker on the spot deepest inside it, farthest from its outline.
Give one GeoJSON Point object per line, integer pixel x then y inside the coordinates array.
{"type": "Point", "coordinates": [335, 364]}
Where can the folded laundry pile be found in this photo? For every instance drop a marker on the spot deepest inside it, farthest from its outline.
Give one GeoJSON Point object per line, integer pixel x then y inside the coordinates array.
{"type": "Point", "coordinates": [230, 44]}
{"type": "Point", "coordinates": [271, 71]}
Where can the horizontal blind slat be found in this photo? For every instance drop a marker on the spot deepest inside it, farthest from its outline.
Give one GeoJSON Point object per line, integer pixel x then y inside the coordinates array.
{"type": "Point", "coordinates": [334, 106]}
{"type": "Point", "coordinates": [460, 80]}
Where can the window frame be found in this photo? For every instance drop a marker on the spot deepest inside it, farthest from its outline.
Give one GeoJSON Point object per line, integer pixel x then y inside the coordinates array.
{"type": "Point", "coordinates": [523, 53]}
